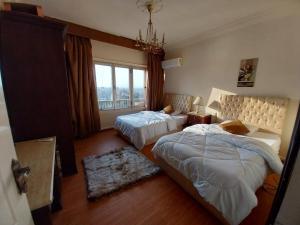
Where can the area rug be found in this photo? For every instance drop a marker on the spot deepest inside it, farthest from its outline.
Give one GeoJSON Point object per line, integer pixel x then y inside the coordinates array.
{"type": "Point", "coordinates": [109, 172]}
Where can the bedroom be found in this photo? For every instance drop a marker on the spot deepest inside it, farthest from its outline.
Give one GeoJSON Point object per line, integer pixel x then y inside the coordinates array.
{"type": "Point", "coordinates": [211, 38]}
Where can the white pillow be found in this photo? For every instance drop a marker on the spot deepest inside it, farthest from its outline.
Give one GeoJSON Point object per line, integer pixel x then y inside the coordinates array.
{"type": "Point", "coordinates": [176, 112]}
{"type": "Point", "coordinates": [252, 129]}
{"type": "Point", "coordinates": [226, 121]}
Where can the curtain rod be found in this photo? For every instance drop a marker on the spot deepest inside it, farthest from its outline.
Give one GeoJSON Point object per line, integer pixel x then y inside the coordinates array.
{"type": "Point", "coordinates": [118, 62]}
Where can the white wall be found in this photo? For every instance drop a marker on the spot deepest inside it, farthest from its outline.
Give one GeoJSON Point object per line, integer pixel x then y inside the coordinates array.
{"type": "Point", "coordinates": [122, 55]}
{"type": "Point", "coordinates": [211, 66]}
{"type": "Point", "coordinates": [117, 53]}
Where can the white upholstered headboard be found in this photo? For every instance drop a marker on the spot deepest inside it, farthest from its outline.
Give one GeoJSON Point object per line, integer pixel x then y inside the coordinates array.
{"type": "Point", "coordinates": [179, 102]}
{"type": "Point", "coordinates": [267, 113]}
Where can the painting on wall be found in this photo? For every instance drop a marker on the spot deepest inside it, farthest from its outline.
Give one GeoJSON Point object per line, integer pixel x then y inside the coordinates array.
{"type": "Point", "coordinates": [247, 72]}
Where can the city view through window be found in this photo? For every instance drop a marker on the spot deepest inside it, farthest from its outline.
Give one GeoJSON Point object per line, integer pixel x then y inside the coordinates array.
{"type": "Point", "coordinates": [119, 87]}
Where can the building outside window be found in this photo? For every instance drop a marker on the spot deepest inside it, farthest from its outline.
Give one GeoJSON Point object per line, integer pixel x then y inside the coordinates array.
{"type": "Point", "coordinates": [120, 86]}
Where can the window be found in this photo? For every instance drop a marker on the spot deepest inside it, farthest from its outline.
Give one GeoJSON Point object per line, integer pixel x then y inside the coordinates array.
{"type": "Point", "coordinates": [138, 87]}
{"type": "Point", "coordinates": [120, 87]}
{"type": "Point", "coordinates": [104, 85]}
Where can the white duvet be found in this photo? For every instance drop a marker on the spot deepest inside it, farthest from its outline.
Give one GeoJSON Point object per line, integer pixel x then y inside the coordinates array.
{"type": "Point", "coordinates": [145, 125]}
{"type": "Point", "coordinates": [226, 169]}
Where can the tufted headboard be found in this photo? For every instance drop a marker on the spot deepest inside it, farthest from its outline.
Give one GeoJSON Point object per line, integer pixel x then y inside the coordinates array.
{"type": "Point", "coordinates": [179, 102]}
{"type": "Point", "coordinates": [267, 113]}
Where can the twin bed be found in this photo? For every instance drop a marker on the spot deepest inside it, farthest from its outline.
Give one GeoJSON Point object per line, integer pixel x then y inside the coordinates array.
{"type": "Point", "coordinates": [147, 127]}
{"type": "Point", "coordinates": [223, 170]}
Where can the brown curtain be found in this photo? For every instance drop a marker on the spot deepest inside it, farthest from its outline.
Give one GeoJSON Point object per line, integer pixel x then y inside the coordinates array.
{"type": "Point", "coordinates": [155, 81]}
{"type": "Point", "coordinates": [83, 97]}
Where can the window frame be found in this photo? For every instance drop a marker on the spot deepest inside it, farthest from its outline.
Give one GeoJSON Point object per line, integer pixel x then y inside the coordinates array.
{"type": "Point", "coordinates": [131, 67]}
{"type": "Point", "coordinates": [115, 86]}
{"type": "Point", "coordinates": [145, 87]}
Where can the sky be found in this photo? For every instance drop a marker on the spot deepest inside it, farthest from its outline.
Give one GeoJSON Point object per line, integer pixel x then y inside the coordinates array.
{"type": "Point", "coordinates": [104, 76]}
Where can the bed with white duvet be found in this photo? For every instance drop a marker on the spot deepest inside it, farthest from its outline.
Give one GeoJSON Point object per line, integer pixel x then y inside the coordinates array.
{"type": "Point", "coordinates": [146, 127]}
{"type": "Point", "coordinates": [225, 169]}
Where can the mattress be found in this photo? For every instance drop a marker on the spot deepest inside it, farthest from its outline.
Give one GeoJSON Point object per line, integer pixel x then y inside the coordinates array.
{"type": "Point", "coordinates": [225, 169]}
{"type": "Point", "coordinates": [180, 119]}
{"type": "Point", "coordinates": [146, 127]}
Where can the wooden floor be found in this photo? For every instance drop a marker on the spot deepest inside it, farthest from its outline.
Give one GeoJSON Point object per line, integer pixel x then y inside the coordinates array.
{"type": "Point", "coordinates": [155, 201]}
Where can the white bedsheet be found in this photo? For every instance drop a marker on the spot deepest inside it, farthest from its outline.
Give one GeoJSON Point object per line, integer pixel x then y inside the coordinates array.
{"type": "Point", "coordinates": [273, 140]}
{"type": "Point", "coordinates": [226, 169]}
{"type": "Point", "coordinates": [180, 119]}
{"type": "Point", "coordinates": [147, 125]}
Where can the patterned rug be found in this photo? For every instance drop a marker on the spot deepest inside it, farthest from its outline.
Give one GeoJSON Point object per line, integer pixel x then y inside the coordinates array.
{"type": "Point", "coordinates": [111, 171]}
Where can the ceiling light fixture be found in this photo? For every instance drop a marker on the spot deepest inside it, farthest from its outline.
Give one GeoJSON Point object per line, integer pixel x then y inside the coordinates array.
{"type": "Point", "coordinates": [150, 43]}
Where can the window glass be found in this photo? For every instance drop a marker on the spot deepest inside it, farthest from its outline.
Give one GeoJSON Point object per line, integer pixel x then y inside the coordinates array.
{"type": "Point", "coordinates": [138, 87]}
{"type": "Point", "coordinates": [122, 88]}
{"type": "Point", "coordinates": [104, 86]}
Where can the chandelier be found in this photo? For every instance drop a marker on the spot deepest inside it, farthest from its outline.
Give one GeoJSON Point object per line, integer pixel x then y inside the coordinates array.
{"type": "Point", "coordinates": [151, 42]}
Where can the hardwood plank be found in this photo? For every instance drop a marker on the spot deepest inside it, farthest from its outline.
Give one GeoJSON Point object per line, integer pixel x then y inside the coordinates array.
{"type": "Point", "coordinates": [79, 30]}
{"type": "Point", "coordinates": [155, 201]}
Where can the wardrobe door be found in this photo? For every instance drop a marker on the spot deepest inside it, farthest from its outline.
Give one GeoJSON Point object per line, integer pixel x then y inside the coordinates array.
{"type": "Point", "coordinates": [35, 81]}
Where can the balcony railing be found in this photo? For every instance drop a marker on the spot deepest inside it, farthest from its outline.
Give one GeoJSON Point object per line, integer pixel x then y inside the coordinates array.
{"type": "Point", "coordinates": [120, 104]}
{"type": "Point", "coordinates": [105, 104]}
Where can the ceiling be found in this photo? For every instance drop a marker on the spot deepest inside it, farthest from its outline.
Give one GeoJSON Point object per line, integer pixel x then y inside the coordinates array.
{"type": "Point", "coordinates": [182, 21]}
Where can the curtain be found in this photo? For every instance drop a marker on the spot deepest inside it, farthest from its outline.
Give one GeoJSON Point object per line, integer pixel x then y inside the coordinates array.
{"type": "Point", "coordinates": [82, 89]}
{"type": "Point", "coordinates": [155, 83]}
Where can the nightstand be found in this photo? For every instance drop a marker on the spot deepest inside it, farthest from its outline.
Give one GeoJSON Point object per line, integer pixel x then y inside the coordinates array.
{"type": "Point", "coordinates": [194, 118]}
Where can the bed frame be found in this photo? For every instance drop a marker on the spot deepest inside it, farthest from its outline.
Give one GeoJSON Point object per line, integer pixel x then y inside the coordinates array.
{"type": "Point", "coordinates": [265, 112]}
{"type": "Point", "coordinates": [179, 102]}
{"type": "Point", "coordinates": [188, 186]}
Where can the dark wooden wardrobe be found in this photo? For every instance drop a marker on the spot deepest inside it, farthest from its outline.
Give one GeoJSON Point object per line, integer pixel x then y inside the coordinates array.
{"type": "Point", "coordinates": [32, 64]}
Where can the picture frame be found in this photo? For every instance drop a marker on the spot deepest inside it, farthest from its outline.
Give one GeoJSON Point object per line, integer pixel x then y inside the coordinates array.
{"type": "Point", "coordinates": [247, 72]}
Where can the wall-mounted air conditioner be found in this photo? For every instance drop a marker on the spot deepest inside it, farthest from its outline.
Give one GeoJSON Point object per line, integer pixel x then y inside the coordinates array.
{"type": "Point", "coordinates": [171, 63]}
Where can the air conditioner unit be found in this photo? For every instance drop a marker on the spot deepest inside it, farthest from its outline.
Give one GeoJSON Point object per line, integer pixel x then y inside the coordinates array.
{"type": "Point", "coordinates": [171, 63]}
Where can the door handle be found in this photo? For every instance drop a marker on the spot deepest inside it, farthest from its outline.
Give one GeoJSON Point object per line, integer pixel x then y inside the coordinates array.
{"type": "Point", "coordinates": [21, 175]}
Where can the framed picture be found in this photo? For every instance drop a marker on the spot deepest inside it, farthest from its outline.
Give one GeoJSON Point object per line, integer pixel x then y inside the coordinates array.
{"type": "Point", "coordinates": [247, 72]}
